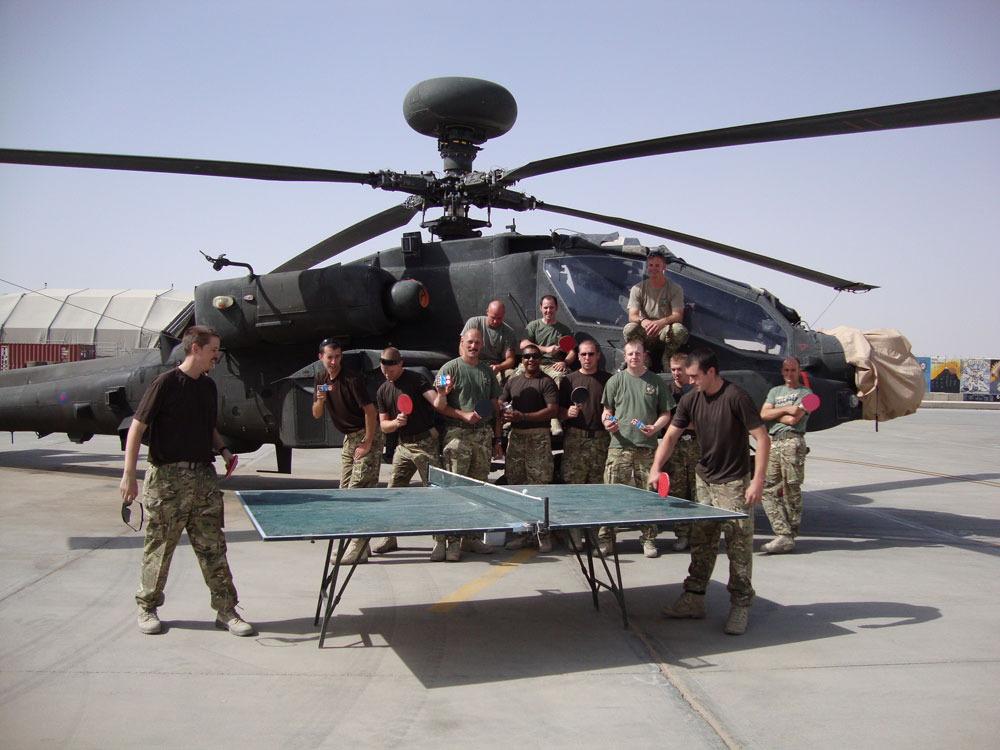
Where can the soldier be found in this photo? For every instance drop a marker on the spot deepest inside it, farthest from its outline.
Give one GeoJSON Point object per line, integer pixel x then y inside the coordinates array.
{"type": "Point", "coordinates": [470, 441]}
{"type": "Point", "coordinates": [585, 441]}
{"type": "Point", "coordinates": [723, 415]}
{"type": "Point", "coordinates": [786, 465]}
{"type": "Point", "coordinates": [498, 339]}
{"type": "Point", "coordinates": [680, 465]}
{"type": "Point", "coordinates": [342, 394]}
{"type": "Point", "coordinates": [656, 311]}
{"type": "Point", "coordinates": [545, 332]}
{"type": "Point", "coordinates": [533, 401]}
{"type": "Point", "coordinates": [181, 490]}
{"type": "Point", "coordinates": [637, 406]}
{"type": "Point", "coordinates": [418, 442]}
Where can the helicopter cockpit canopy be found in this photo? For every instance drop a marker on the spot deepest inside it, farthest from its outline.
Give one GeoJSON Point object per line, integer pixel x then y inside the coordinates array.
{"type": "Point", "coordinates": [595, 290]}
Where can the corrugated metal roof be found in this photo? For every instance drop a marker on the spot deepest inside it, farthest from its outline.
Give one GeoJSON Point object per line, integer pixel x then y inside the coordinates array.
{"type": "Point", "coordinates": [113, 320]}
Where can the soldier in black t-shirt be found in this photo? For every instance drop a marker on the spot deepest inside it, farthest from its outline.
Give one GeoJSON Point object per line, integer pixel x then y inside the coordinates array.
{"type": "Point", "coordinates": [723, 416]}
{"type": "Point", "coordinates": [342, 394]}
{"type": "Point", "coordinates": [419, 443]}
{"type": "Point", "coordinates": [181, 490]}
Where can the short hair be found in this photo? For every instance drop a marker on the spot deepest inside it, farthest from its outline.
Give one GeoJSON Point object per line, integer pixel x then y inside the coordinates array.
{"type": "Point", "coordinates": [332, 343]}
{"type": "Point", "coordinates": [636, 342]}
{"type": "Point", "coordinates": [551, 297]}
{"type": "Point", "coordinates": [656, 254]}
{"type": "Point", "coordinates": [589, 340]}
{"type": "Point", "coordinates": [200, 335]}
{"type": "Point", "coordinates": [466, 332]}
{"type": "Point", "coordinates": [679, 357]}
{"type": "Point", "coordinates": [794, 359]}
{"type": "Point", "coordinates": [704, 359]}
{"type": "Point", "coordinates": [526, 347]}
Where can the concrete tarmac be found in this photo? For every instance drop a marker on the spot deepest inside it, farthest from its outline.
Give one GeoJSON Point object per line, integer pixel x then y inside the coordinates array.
{"type": "Point", "coordinates": [879, 631]}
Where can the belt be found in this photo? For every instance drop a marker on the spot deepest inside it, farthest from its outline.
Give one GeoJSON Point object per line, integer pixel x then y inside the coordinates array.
{"type": "Point", "coordinates": [416, 438]}
{"type": "Point", "coordinates": [530, 429]}
{"type": "Point", "coordinates": [186, 464]}
{"type": "Point", "coordinates": [466, 426]}
{"type": "Point", "coordinates": [586, 433]}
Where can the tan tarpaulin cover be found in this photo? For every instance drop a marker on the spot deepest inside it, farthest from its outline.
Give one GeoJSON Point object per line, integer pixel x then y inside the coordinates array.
{"type": "Point", "coordinates": [889, 379]}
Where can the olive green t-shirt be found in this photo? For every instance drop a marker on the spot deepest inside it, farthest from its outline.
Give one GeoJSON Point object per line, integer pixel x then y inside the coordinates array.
{"type": "Point", "coordinates": [644, 397]}
{"type": "Point", "coordinates": [782, 395]}
{"type": "Point", "coordinates": [539, 332]}
{"type": "Point", "coordinates": [656, 303]}
{"type": "Point", "coordinates": [470, 384]}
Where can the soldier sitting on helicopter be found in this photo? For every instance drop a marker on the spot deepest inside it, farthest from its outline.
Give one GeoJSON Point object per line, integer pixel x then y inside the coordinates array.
{"type": "Point", "coordinates": [656, 313]}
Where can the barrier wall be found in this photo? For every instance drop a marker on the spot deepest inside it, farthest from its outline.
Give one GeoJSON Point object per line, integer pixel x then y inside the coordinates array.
{"type": "Point", "coordinates": [974, 379]}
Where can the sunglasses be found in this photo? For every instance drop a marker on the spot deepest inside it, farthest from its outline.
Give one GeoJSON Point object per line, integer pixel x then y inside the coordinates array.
{"type": "Point", "coordinates": [389, 362]}
{"type": "Point", "coordinates": [588, 354]}
{"type": "Point", "coordinates": [127, 516]}
{"type": "Point", "coordinates": [531, 356]}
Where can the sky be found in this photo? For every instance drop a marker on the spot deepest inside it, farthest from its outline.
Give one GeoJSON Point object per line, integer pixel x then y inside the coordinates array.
{"type": "Point", "coordinates": [320, 83]}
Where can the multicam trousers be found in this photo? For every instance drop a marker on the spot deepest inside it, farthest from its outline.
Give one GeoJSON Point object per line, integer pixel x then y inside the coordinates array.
{"type": "Point", "coordinates": [414, 456]}
{"type": "Point", "coordinates": [583, 457]}
{"type": "Point", "coordinates": [529, 456]}
{"type": "Point", "coordinates": [680, 469]}
{"type": "Point", "coordinates": [669, 340]}
{"type": "Point", "coordinates": [469, 452]}
{"type": "Point", "coordinates": [178, 498]}
{"type": "Point", "coordinates": [786, 470]}
{"type": "Point", "coordinates": [739, 541]}
{"type": "Point", "coordinates": [363, 473]}
{"type": "Point", "coordinates": [630, 466]}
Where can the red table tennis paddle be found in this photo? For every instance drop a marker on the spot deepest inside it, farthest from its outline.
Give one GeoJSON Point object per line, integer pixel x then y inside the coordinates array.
{"type": "Point", "coordinates": [484, 408]}
{"type": "Point", "coordinates": [567, 344]}
{"type": "Point", "coordinates": [810, 402]}
{"type": "Point", "coordinates": [232, 466]}
{"type": "Point", "coordinates": [579, 395]}
{"type": "Point", "coordinates": [663, 485]}
{"type": "Point", "coordinates": [404, 403]}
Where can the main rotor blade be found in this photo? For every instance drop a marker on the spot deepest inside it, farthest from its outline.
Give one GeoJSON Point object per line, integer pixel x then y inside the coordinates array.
{"type": "Point", "coordinates": [243, 170]}
{"type": "Point", "coordinates": [716, 247]}
{"type": "Point", "coordinates": [967, 108]}
{"type": "Point", "coordinates": [364, 230]}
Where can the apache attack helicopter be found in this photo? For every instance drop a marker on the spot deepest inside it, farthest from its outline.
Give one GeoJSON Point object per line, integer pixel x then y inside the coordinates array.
{"type": "Point", "coordinates": [418, 295]}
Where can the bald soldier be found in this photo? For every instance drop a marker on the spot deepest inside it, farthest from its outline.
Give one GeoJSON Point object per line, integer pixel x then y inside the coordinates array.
{"type": "Point", "coordinates": [786, 465]}
{"type": "Point", "coordinates": [499, 339]}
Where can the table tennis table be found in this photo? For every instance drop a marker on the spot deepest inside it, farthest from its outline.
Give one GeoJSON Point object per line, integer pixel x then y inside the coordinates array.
{"type": "Point", "coordinates": [455, 505]}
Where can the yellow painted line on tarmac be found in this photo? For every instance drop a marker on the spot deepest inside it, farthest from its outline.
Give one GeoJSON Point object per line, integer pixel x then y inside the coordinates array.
{"type": "Point", "coordinates": [494, 574]}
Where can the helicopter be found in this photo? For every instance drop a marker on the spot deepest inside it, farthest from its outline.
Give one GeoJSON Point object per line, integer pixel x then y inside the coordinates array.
{"type": "Point", "coordinates": [416, 296]}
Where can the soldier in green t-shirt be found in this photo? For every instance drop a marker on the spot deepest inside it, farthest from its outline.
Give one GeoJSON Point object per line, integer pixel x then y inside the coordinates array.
{"type": "Point", "coordinates": [637, 406]}
{"type": "Point", "coordinates": [545, 333]}
{"type": "Point", "coordinates": [786, 464]}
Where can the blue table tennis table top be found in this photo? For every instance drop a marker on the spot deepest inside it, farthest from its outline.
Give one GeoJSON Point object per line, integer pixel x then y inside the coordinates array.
{"type": "Point", "coordinates": [455, 504]}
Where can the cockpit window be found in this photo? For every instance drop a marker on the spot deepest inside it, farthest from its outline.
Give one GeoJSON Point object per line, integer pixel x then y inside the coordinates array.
{"type": "Point", "coordinates": [595, 288]}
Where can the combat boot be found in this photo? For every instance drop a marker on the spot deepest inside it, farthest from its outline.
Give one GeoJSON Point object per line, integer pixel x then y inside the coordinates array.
{"type": "Point", "coordinates": [385, 544]}
{"type": "Point", "coordinates": [681, 544]}
{"type": "Point", "coordinates": [649, 548]}
{"type": "Point", "coordinates": [779, 545]}
{"type": "Point", "coordinates": [689, 604]}
{"type": "Point", "coordinates": [454, 551]}
{"type": "Point", "coordinates": [227, 619]}
{"type": "Point", "coordinates": [358, 550]}
{"type": "Point", "coordinates": [437, 554]}
{"type": "Point", "coordinates": [149, 623]}
{"type": "Point", "coordinates": [736, 623]}
{"type": "Point", "coordinates": [477, 545]}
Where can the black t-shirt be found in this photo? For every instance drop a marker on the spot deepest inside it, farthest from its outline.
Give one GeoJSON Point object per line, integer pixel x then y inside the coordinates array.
{"type": "Point", "coordinates": [722, 422]}
{"type": "Point", "coordinates": [346, 399]}
{"type": "Point", "coordinates": [590, 412]}
{"type": "Point", "coordinates": [179, 412]}
{"type": "Point", "coordinates": [414, 385]}
{"type": "Point", "coordinates": [529, 394]}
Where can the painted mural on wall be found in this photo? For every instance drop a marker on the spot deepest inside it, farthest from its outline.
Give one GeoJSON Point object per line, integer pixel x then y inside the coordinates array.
{"type": "Point", "coordinates": [975, 379]}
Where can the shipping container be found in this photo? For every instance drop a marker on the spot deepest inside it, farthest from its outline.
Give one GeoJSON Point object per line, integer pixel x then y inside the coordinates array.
{"type": "Point", "coordinates": [13, 356]}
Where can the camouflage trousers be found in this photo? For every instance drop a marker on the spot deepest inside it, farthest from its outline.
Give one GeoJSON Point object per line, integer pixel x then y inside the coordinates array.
{"type": "Point", "coordinates": [680, 469]}
{"type": "Point", "coordinates": [179, 498]}
{"type": "Point", "coordinates": [669, 340]}
{"type": "Point", "coordinates": [629, 466]}
{"type": "Point", "coordinates": [468, 452]}
{"type": "Point", "coordinates": [583, 457]}
{"type": "Point", "coordinates": [413, 457]}
{"type": "Point", "coordinates": [529, 456]}
{"type": "Point", "coordinates": [739, 541]}
{"type": "Point", "coordinates": [786, 470]}
{"type": "Point", "coordinates": [363, 473]}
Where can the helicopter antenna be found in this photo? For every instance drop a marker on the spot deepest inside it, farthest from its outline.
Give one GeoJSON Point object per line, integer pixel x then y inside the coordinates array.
{"type": "Point", "coordinates": [222, 261]}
